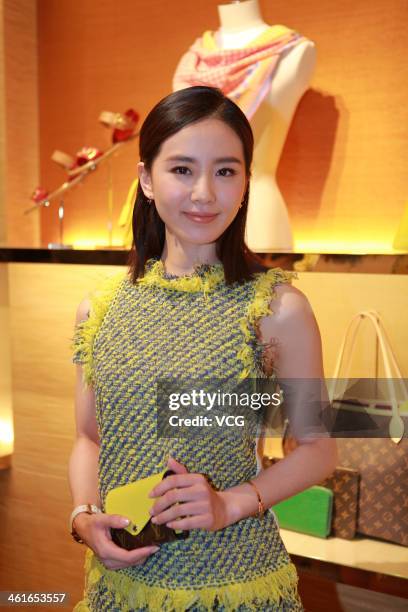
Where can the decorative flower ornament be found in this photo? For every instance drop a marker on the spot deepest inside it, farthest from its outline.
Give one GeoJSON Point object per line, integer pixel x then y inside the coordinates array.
{"type": "Point", "coordinates": [123, 125]}
{"type": "Point", "coordinates": [39, 194]}
{"type": "Point", "coordinates": [88, 159]}
{"type": "Point", "coordinates": [73, 166]}
{"type": "Point", "coordinates": [88, 154]}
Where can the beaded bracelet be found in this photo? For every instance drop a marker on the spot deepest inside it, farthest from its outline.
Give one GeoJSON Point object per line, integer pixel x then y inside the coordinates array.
{"type": "Point", "coordinates": [261, 507]}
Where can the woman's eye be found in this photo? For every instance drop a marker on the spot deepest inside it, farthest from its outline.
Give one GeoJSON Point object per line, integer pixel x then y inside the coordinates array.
{"type": "Point", "coordinates": [180, 170]}
{"type": "Point", "coordinates": [226, 172]}
{"type": "Point", "coordinates": [184, 170]}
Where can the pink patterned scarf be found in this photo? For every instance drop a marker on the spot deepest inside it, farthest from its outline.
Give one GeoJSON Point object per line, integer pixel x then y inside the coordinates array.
{"type": "Point", "coordinates": [244, 75]}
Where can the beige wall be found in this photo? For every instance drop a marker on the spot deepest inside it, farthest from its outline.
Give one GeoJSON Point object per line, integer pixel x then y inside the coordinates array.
{"type": "Point", "coordinates": [342, 171]}
{"type": "Point", "coordinates": [19, 122]}
{"type": "Point", "coordinates": [3, 233]}
{"type": "Point", "coordinates": [37, 552]}
{"type": "Point", "coordinates": [6, 405]}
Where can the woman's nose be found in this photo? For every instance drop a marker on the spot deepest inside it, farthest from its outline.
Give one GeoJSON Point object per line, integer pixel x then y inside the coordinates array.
{"type": "Point", "coordinates": [203, 190]}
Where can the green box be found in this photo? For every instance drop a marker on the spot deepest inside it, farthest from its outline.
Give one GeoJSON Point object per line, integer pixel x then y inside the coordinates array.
{"type": "Point", "coordinates": [307, 512]}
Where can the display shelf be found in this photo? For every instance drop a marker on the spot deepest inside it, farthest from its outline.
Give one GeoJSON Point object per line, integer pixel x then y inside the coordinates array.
{"type": "Point", "coordinates": [369, 564]}
{"type": "Point", "coordinates": [360, 553]}
{"type": "Point", "coordinates": [382, 263]}
{"type": "Point", "coordinates": [364, 562]}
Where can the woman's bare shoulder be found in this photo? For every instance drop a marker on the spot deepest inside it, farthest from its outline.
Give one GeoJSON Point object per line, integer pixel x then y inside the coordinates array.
{"type": "Point", "coordinates": [288, 303]}
{"type": "Point", "coordinates": [83, 310]}
{"type": "Point", "coordinates": [290, 315]}
{"type": "Point", "coordinates": [100, 296]}
{"type": "Point", "coordinates": [292, 328]}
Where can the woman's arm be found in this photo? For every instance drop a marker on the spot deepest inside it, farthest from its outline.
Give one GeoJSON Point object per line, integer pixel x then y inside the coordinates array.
{"type": "Point", "coordinates": [293, 329]}
{"type": "Point", "coordinates": [83, 463]}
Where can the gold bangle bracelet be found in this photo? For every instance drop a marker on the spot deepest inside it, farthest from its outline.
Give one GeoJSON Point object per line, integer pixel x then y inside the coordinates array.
{"type": "Point", "coordinates": [261, 507]}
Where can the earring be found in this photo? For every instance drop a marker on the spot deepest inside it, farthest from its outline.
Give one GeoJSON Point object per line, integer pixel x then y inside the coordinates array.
{"type": "Point", "coordinates": [149, 201]}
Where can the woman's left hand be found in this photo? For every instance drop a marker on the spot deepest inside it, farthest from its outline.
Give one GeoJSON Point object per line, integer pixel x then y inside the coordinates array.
{"type": "Point", "coordinates": [202, 506]}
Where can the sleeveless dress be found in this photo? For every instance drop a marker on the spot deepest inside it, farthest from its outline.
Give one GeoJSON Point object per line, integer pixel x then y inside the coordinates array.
{"type": "Point", "coordinates": [176, 327]}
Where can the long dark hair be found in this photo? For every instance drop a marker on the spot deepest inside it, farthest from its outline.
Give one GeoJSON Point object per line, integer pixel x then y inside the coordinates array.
{"type": "Point", "coordinates": [170, 115]}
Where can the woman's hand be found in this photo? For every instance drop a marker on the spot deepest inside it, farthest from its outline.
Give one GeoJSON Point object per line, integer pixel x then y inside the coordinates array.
{"type": "Point", "coordinates": [202, 505]}
{"type": "Point", "coordinates": [94, 529]}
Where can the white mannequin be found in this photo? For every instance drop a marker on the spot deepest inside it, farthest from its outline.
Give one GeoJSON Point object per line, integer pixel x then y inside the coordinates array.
{"type": "Point", "coordinates": [268, 227]}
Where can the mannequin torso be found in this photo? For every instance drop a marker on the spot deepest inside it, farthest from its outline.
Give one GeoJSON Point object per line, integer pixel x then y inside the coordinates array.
{"type": "Point", "coordinates": [268, 227]}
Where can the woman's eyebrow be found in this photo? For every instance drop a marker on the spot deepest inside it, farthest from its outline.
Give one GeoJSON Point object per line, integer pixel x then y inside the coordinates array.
{"type": "Point", "coordinates": [191, 160]}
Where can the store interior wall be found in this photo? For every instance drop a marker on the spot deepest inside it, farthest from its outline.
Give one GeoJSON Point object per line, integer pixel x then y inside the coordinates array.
{"type": "Point", "coordinates": [342, 171]}
{"type": "Point", "coordinates": [37, 552]}
{"type": "Point", "coordinates": [3, 233]}
{"type": "Point", "coordinates": [19, 122]}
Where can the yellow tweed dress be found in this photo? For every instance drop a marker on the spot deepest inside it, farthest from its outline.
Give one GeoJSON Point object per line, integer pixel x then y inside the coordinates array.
{"type": "Point", "coordinates": [172, 327]}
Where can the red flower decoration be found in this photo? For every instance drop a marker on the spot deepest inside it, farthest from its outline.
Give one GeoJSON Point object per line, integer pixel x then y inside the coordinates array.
{"type": "Point", "coordinates": [123, 124]}
{"type": "Point", "coordinates": [122, 134]}
{"type": "Point", "coordinates": [39, 194]}
{"type": "Point", "coordinates": [87, 154]}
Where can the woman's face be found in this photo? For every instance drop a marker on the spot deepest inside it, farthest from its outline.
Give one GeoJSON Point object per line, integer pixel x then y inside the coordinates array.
{"type": "Point", "coordinates": [197, 181]}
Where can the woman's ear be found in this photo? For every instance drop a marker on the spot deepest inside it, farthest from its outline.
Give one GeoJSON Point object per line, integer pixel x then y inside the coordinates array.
{"type": "Point", "coordinates": [145, 180]}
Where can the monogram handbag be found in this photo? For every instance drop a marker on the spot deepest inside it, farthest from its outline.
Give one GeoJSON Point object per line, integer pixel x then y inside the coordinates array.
{"type": "Point", "coordinates": [381, 457]}
{"type": "Point", "coordinates": [344, 482]}
{"type": "Point", "coordinates": [132, 501]}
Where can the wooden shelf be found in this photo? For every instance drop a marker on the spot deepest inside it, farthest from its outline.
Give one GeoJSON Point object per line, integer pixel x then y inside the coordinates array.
{"type": "Point", "coordinates": [360, 553]}
{"type": "Point", "coordinates": [381, 263]}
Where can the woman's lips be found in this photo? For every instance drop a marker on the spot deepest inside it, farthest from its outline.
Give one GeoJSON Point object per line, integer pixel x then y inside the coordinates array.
{"type": "Point", "coordinates": [200, 218]}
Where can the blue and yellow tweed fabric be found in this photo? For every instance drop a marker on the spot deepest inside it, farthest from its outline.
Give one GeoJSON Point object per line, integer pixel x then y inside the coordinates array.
{"type": "Point", "coordinates": [193, 326]}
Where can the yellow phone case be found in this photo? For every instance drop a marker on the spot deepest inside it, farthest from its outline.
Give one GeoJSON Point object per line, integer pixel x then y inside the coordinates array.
{"type": "Point", "coordinates": [132, 501]}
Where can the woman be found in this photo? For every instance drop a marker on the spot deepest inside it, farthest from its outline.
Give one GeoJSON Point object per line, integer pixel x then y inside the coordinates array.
{"type": "Point", "coordinates": [195, 304]}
